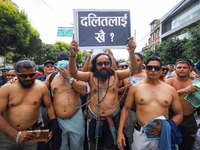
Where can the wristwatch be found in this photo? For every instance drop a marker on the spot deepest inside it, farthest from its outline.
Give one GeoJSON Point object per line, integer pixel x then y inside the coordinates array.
{"type": "Point", "coordinates": [71, 80]}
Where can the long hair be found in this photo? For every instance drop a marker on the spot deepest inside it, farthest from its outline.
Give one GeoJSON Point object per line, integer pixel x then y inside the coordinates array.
{"type": "Point", "coordinates": [94, 61]}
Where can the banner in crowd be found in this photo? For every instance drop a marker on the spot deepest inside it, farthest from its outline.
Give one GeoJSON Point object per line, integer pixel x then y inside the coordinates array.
{"type": "Point", "coordinates": [102, 28]}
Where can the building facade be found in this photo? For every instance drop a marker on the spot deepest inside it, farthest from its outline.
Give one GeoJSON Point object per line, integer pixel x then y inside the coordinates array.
{"type": "Point", "coordinates": [154, 33]}
{"type": "Point", "coordinates": [183, 15]}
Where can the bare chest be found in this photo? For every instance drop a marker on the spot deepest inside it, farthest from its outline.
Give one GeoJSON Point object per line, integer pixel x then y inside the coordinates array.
{"type": "Point", "coordinates": [153, 97]}
{"type": "Point", "coordinates": [59, 84]}
{"type": "Point", "coordinates": [180, 85]}
{"type": "Point", "coordinates": [25, 98]}
{"type": "Point", "coordinates": [108, 86]}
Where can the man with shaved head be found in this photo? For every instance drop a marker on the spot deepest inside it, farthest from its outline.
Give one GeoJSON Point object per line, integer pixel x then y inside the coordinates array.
{"type": "Point", "coordinates": [19, 108]}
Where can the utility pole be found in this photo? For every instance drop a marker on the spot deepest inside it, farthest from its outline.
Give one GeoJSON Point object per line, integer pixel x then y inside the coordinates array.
{"type": "Point", "coordinates": [134, 34]}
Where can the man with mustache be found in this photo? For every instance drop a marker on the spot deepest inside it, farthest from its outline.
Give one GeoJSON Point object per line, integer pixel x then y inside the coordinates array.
{"type": "Point", "coordinates": [150, 98]}
{"type": "Point", "coordinates": [19, 108]}
{"type": "Point", "coordinates": [183, 84]}
{"type": "Point", "coordinates": [104, 84]}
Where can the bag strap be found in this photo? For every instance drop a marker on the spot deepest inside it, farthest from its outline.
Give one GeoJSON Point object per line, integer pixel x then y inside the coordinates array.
{"type": "Point", "coordinates": [50, 80]}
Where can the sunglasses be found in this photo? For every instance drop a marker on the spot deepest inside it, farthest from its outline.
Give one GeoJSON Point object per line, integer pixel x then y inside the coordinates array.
{"type": "Point", "coordinates": [49, 66]}
{"type": "Point", "coordinates": [13, 75]}
{"type": "Point", "coordinates": [124, 66]}
{"type": "Point", "coordinates": [163, 69]}
{"type": "Point", "coordinates": [26, 75]}
{"type": "Point", "coordinates": [156, 68]}
{"type": "Point", "coordinates": [105, 63]}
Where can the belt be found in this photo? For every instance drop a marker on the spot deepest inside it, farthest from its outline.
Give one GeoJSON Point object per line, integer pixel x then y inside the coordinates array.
{"type": "Point", "coordinates": [35, 126]}
{"type": "Point", "coordinates": [138, 127]}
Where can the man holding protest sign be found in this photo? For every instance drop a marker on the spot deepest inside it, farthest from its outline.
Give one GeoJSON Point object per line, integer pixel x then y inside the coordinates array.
{"type": "Point", "coordinates": [104, 105]}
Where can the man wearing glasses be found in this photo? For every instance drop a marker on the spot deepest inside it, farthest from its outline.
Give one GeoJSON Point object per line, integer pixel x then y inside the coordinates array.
{"type": "Point", "coordinates": [104, 84]}
{"type": "Point", "coordinates": [151, 98]}
{"type": "Point", "coordinates": [48, 69]}
{"type": "Point", "coordinates": [19, 107]}
{"type": "Point", "coordinates": [122, 65]}
{"type": "Point", "coordinates": [141, 75]}
{"type": "Point", "coordinates": [165, 69]}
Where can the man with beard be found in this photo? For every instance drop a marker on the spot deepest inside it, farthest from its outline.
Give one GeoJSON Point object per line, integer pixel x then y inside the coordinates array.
{"type": "Point", "coordinates": [19, 107]}
{"type": "Point", "coordinates": [183, 84]}
{"type": "Point", "coordinates": [141, 75]}
{"type": "Point", "coordinates": [104, 84]}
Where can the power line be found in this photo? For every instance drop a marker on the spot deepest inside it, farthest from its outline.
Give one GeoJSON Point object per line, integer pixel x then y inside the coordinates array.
{"type": "Point", "coordinates": [143, 38]}
{"type": "Point", "coordinates": [51, 8]}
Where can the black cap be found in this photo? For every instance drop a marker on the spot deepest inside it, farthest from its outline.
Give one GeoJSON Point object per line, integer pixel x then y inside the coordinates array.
{"type": "Point", "coordinates": [48, 61]}
{"type": "Point", "coordinates": [5, 69]}
{"type": "Point", "coordinates": [40, 68]}
{"type": "Point", "coordinates": [63, 56]}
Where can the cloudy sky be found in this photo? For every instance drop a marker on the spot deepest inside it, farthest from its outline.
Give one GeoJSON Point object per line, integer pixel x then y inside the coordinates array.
{"type": "Point", "coordinates": [47, 15]}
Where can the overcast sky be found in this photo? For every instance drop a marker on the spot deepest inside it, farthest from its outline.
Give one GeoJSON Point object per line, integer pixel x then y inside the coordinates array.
{"type": "Point", "coordinates": [47, 15]}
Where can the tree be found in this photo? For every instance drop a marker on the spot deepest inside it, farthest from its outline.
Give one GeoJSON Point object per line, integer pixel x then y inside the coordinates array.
{"type": "Point", "coordinates": [62, 46]}
{"type": "Point", "coordinates": [172, 50]}
{"type": "Point", "coordinates": [48, 52]}
{"type": "Point", "coordinates": [192, 46]}
{"type": "Point", "coordinates": [14, 29]}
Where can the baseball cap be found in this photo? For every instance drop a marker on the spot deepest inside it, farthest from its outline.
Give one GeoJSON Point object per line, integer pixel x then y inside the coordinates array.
{"type": "Point", "coordinates": [63, 56]}
{"type": "Point", "coordinates": [5, 69]}
{"type": "Point", "coordinates": [48, 61]}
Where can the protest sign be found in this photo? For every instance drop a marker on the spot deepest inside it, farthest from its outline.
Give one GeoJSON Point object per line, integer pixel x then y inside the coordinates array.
{"type": "Point", "coordinates": [102, 29]}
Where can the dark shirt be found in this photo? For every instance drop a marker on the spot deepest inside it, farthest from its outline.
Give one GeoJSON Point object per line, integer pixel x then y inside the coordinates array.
{"type": "Point", "coordinates": [2, 81]}
{"type": "Point", "coordinates": [42, 78]}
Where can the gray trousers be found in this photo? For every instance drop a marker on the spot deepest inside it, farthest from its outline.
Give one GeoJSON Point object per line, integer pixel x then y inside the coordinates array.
{"type": "Point", "coordinates": [8, 143]}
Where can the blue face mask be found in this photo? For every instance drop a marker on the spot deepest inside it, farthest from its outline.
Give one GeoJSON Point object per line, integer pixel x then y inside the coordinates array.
{"type": "Point", "coordinates": [63, 63]}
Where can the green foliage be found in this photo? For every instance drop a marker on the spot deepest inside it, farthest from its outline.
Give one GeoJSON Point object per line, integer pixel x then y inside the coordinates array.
{"type": "Point", "coordinates": [169, 51]}
{"type": "Point", "coordinates": [62, 46]}
{"type": "Point", "coordinates": [14, 28]}
{"type": "Point", "coordinates": [79, 59]}
{"type": "Point", "coordinates": [192, 46]}
{"type": "Point", "coordinates": [48, 52]}
{"type": "Point", "coordinates": [158, 21]}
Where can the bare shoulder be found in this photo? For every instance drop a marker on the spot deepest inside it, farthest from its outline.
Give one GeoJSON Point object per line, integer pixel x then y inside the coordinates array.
{"type": "Point", "coordinates": [40, 85]}
{"type": "Point", "coordinates": [168, 87]}
{"type": "Point", "coordinates": [138, 85]}
{"type": "Point", "coordinates": [7, 87]}
{"type": "Point", "coordinates": [170, 80]}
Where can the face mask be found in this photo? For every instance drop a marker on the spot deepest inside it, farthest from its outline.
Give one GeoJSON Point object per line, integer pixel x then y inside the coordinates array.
{"type": "Point", "coordinates": [63, 63]}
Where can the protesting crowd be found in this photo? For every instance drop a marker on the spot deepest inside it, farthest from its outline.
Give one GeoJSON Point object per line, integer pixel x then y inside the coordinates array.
{"type": "Point", "coordinates": [104, 105]}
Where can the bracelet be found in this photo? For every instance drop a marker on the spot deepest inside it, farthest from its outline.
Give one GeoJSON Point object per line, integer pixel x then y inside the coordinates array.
{"type": "Point", "coordinates": [74, 74]}
{"type": "Point", "coordinates": [18, 135]}
{"type": "Point", "coordinates": [135, 68]}
{"type": "Point", "coordinates": [72, 56]}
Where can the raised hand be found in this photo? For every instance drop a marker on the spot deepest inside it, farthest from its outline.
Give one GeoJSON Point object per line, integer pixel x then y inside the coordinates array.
{"type": "Point", "coordinates": [131, 45]}
{"type": "Point", "coordinates": [73, 47]}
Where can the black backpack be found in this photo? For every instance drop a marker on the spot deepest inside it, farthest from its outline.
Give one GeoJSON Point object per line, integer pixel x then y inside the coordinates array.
{"type": "Point", "coordinates": [50, 80]}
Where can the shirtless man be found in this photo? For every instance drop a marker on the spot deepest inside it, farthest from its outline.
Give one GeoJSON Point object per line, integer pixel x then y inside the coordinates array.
{"type": "Point", "coordinates": [11, 74]}
{"type": "Point", "coordinates": [165, 69]}
{"type": "Point", "coordinates": [183, 84]}
{"type": "Point", "coordinates": [70, 120]}
{"type": "Point", "coordinates": [152, 98]}
{"type": "Point", "coordinates": [19, 107]}
{"type": "Point", "coordinates": [104, 84]}
{"type": "Point", "coordinates": [141, 75]}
